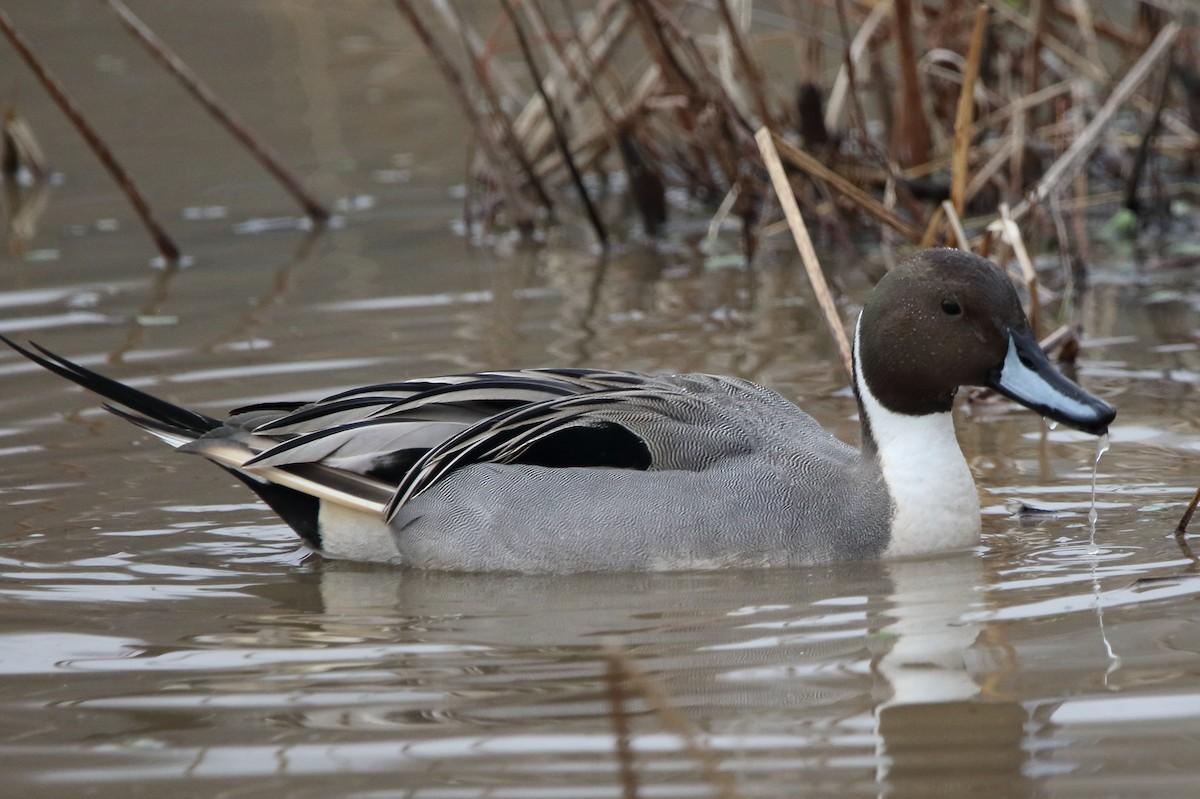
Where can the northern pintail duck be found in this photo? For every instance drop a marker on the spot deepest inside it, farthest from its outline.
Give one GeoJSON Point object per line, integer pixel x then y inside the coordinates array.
{"type": "Point", "coordinates": [582, 469]}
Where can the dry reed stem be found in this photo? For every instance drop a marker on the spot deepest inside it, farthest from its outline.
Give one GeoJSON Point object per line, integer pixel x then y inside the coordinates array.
{"type": "Point", "coordinates": [985, 173]}
{"type": "Point", "coordinates": [571, 59]}
{"type": "Point", "coordinates": [1065, 248]}
{"type": "Point", "coordinates": [597, 143]}
{"type": "Point", "coordinates": [791, 210]}
{"type": "Point", "coordinates": [1181, 528]}
{"type": "Point", "coordinates": [522, 213]}
{"type": "Point", "coordinates": [1089, 138]}
{"type": "Point", "coordinates": [1019, 105]}
{"type": "Point", "coordinates": [560, 135]}
{"type": "Point", "coordinates": [849, 68]}
{"type": "Point", "coordinates": [1189, 134]}
{"type": "Point", "coordinates": [932, 228]}
{"type": "Point", "coordinates": [817, 169]}
{"type": "Point", "coordinates": [1073, 59]}
{"type": "Point", "coordinates": [653, 24]}
{"type": "Point", "coordinates": [674, 721]}
{"type": "Point", "coordinates": [590, 52]}
{"type": "Point", "coordinates": [709, 97]}
{"type": "Point", "coordinates": [965, 112]}
{"type": "Point", "coordinates": [1153, 124]}
{"type": "Point", "coordinates": [1012, 235]}
{"type": "Point", "coordinates": [1031, 67]}
{"type": "Point", "coordinates": [24, 211]}
{"type": "Point", "coordinates": [722, 213]}
{"type": "Point", "coordinates": [910, 138]}
{"type": "Point", "coordinates": [956, 225]}
{"type": "Point", "coordinates": [217, 109]}
{"type": "Point", "coordinates": [166, 246]}
{"type": "Point", "coordinates": [644, 181]}
{"type": "Point", "coordinates": [558, 71]}
{"type": "Point", "coordinates": [20, 148]}
{"type": "Point", "coordinates": [474, 43]}
{"type": "Point", "coordinates": [1087, 30]}
{"type": "Point", "coordinates": [1061, 337]}
{"type": "Point", "coordinates": [858, 47]}
{"type": "Point", "coordinates": [484, 68]}
{"type": "Point", "coordinates": [708, 78]}
{"type": "Point", "coordinates": [1122, 36]}
{"type": "Point", "coordinates": [654, 37]}
{"type": "Point", "coordinates": [753, 74]}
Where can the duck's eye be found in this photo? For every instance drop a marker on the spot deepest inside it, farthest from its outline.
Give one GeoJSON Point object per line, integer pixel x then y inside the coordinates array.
{"type": "Point", "coordinates": [951, 307]}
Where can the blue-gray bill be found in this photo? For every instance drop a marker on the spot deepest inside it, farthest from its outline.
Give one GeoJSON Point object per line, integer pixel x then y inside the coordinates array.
{"type": "Point", "coordinates": [1028, 377]}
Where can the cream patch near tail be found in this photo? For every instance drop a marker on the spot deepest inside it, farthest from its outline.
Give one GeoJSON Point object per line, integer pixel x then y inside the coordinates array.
{"type": "Point", "coordinates": [350, 534]}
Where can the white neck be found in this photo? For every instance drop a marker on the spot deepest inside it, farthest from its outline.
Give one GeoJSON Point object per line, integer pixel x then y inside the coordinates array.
{"type": "Point", "coordinates": [936, 503]}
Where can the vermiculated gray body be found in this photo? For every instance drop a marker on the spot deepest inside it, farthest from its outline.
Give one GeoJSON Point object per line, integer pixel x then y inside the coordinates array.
{"type": "Point", "coordinates": [754, 481]}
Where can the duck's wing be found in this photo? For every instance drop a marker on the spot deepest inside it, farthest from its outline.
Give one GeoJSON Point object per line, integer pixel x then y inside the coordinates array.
{"type": "Point", "coordinates": [412, 435]}
{"type": "Point", "coordinates": [386, 429]}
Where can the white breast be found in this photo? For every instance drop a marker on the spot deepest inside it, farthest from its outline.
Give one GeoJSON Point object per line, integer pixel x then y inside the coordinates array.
{"type": "Point", "coordinates": [936, 502]}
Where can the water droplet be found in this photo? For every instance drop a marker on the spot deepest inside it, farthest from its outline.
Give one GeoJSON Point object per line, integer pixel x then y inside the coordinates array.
{"type": "Point", "coordinates": [1093, 515]}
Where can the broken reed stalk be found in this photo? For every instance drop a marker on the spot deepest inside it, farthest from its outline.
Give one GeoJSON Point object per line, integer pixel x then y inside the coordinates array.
{"type": "Point", "coordinates": [560, 135]}
{"type": "Point", "coordinates": [522, 214]}
{"type": "Point", "coordinates": [1012, 235]}
{"type": "Point", "coordinates": [753, 74]}
{"type": "Point", "coordinates": [24, 209]}
{"type": "Point", "coordinates": [1181, 528]}
{"type": "Point", "coordinates": [956, 226]}
{"type": "Point", "coordinates": [1120, 34]}
{"type": "Point", "coordinates": [911, 139]}
{"type": "Point", "coordinates": [485, 68]}
{"type": "Point", "coordinates": [1064, 338]}
{"type": "Point", "coordinates": [615, 678]}
{"type": "Point", "coordinates": [1031, 67]}
{"type": "Point", "coordinates": [791, 211]}
{"type": "Point", "coordinates": [1087, 31]}
{"type": "Point", "coordinates": [1093, 70]}
{"type": "Point", "coordinates": [586, 58]}
{"type": "Point", "coordinates": [1089, 138]}
{"type": "Point", "coordinates": [654, 37]}
{"type": "Point", "coordinates": [966, 112]}
{"type": "Point", "coordinates": [672, 720]}
{"type": "Point", "coordinates": [849, 69]}
{"type": "Point", "coordinates": [217, 109]}
{"type": "Point", "coordinates": [166, 246]}
{"type": "Point", "coordinates": [570, 69]}
{"type": "Point", "coordinates": [562, 80]}
{"type": "Point", "coordinates": [843, 83]}
{"type": "Point", "coordinates": [19, 148]}
{"type": "Point", "coordinates": [935, 224]}
{"type": "Point", "coordinates": [710, 118]}
{"type": "Point", "coordinates": [868, 204]}
{"type": "Point", "coordinates": [1143, 151]}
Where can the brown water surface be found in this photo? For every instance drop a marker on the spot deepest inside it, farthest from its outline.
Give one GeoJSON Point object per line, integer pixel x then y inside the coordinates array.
{"type": "Point", "coordinates": [163, 634]}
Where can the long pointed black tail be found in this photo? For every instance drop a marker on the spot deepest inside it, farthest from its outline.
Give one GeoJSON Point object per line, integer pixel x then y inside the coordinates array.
{"type": "Point", "coordinates": [299, 510]}
{"type": "Point", "coordinates": [154, 413]}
